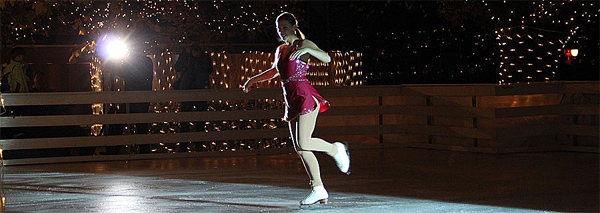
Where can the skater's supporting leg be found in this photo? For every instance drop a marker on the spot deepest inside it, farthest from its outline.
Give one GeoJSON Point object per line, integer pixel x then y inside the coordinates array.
{"type": "Point", "coordinates": [311, 164]}
{"type": "Point", "coordinates": [309, 160]}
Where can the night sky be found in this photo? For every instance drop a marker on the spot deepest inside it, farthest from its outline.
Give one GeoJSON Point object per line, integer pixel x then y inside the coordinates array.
{"type": "Point", "coordinates": [457, 42]}
{"type": "Point", "coordinates": [401, 41]}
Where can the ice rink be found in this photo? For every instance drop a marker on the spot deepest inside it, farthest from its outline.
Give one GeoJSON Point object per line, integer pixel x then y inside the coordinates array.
{"type": "Point", "coordinates": [382, 180]}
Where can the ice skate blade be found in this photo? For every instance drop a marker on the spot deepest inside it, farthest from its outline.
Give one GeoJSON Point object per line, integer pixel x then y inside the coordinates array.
{"type": "Point", "coordinates": [348, 153]}
{"type": "Point", "coordinates": [316, 203]}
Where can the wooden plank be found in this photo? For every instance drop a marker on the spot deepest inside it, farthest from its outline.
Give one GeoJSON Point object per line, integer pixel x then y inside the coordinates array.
{"type": "Point", "coordinates": [468, 112]}
{"type": "Point", "coordinates": [67, 98]}
{"type": "Point", "coordinates": [361, 91]}
{"type": "Point", "coordinates": [580, 149]}
{"type": "Point", "coordinates": [592, 87]}
{"type": "Point", "coordinates": [92, 158]}
{"type": "Point", "coordinates": [352, 110]}
{"type": "Point", "coordinates": [68, 120]}
{"type": "Point", "coordinates": [593, 131]}
{"type": "Point", "coordinates": [450, 90]}
{"type": "Point", "coordinates": [528, 89]}
{"type": "Point", "coordinates": [118, 140]}
{"type": "Point", "coordinates": [448, 131]}
{"type": "Point", "coordinates": [403, 128]}
{"type": "Point", "coordinates": [580, 109]}
{"type": "Point", "coordinates": [526, 131]}
{"type": "Point", "coordinates": [529, 149]}
{"type": "Point", "coordinates": [70, 98]}
{"type": "Point", "coordinates": [452, 147]}
{"type": "Point", "coordinates": [527, 111]}
{"type": "Point", "coordinates": [449, 111]}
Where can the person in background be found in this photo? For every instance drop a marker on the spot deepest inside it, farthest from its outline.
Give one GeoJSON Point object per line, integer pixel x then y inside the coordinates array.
{"type": "Point", "coordinates": [303, 103]}
{"type": "Point", "coordinates": [39, 84]}
{"type": "Point", "coordinates": [138, 74]}
{"type": "Point", "coordinates": [15, 73]}
{"type": "Point", "coordinates": [193, 69]}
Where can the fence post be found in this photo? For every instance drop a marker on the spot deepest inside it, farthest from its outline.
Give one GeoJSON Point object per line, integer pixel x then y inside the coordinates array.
{"type": "Point", "coordinates": [380, 119]}
{"type": "Point", "coordinates": [474, 105]}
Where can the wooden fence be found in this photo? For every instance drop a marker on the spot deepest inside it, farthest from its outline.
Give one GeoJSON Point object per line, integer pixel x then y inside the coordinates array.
{"type": "Point", "coordinates": [490, 118]}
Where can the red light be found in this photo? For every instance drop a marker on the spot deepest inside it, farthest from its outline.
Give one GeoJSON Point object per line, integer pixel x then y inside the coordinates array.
{"type": "Point", "coordinates": [568, 52]}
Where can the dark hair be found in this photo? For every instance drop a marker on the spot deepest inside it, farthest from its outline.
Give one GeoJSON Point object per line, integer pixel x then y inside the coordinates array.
{"type": "Point", "coordinates": [289, 17]}
{"type": "Point", "coordinates": [14, 52]}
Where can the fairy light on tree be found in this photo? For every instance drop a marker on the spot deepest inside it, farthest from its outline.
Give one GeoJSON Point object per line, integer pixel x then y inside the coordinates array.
{"type": "Point", "coordinates": [231, 69]}
{"type": "Point", "coordinates": [166, 23]}
{"type": "Point", "coordinates": [533, 51]}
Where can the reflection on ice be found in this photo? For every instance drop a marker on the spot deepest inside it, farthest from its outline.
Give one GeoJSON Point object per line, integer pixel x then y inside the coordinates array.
{"type": "Point", "coordinates": [383, 180]}
{"type": "Point", "coordinates": [2, 195]}
{"type": "Point", "coordinates": [57, 192]}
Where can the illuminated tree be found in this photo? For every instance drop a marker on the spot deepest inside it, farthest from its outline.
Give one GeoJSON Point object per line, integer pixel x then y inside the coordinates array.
{"type": "Point", "coordinates": [531, 35]}
{"type": "Point", "coordinates": [158, 24]}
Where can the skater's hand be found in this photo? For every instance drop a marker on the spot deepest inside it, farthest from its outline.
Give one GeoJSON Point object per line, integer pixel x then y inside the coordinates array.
{"type": "Point", "coordinates": [296, 54]}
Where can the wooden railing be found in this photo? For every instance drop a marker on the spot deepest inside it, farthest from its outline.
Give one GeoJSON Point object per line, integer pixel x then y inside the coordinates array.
{"type": "Point", "coordinates": [477, 118]}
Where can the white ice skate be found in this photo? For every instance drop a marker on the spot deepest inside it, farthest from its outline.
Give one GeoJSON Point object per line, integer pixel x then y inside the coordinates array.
{"type": "Point", "coordinates": [317, 195]}
{"type": "Point", "coordinates": [342, 158]}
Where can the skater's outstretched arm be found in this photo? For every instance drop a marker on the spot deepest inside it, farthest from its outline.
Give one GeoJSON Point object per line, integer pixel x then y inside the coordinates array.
{"type": "Point", "coordinates": [263, 76]}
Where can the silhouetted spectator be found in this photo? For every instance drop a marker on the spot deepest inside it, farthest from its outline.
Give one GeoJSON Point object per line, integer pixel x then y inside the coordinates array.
{"type": "Point", "coordinates": [14, 75]}
{"type": "Point", "coordinates": [40, 83]}
{"type": "Point", "coordinates": [194, 68]}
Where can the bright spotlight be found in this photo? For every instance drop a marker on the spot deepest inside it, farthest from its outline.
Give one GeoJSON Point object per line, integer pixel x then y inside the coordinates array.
{"type": "Point", "coordinates": [113, 48]}
{"type": "Point", "coordinates": [117, 49]}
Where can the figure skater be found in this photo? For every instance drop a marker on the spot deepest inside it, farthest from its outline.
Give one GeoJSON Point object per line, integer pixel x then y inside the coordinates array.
{"type": "Point", "coordinates": [303, 103]}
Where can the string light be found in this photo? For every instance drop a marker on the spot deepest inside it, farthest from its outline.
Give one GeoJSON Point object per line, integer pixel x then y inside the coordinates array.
{"type": "Point", "coordinates": [537, 51]}
{"type": "Point", "coordinates": [96, 84]}
{"type": "Point", "coordinates": [423, 55]}
{"type": "Point", "coordinates": [345, 69]}
{"type": "Point", "coordinates": [531, 55]}
{"type": "Point", "coordinates": [164, 18]}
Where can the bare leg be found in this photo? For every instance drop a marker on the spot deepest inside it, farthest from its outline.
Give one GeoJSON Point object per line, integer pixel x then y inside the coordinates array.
{"type": "Point", "coordinates": [309, 160]}
{"type": "Point", "coordinates": [301, 131]}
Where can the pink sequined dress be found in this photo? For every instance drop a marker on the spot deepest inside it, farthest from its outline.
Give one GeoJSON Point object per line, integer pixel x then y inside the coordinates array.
{"type": "Point", "coordinates": [297, 90]}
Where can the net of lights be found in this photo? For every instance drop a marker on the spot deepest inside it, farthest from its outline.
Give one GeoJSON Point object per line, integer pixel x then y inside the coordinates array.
{"type": "Point", "coordinates": [96, 82]}
{"type": "Point", "coordinates": [232, 70]}
{"type": "Point", "coordinates": [529, 53]}
{"type": "Point", "coordinates": [164, 79]}
{"type": "Point", "coordinates": [426, 55]}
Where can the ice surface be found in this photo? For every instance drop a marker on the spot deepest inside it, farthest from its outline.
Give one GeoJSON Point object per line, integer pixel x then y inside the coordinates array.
{"type": "Point", "coordinates": [400, 180]}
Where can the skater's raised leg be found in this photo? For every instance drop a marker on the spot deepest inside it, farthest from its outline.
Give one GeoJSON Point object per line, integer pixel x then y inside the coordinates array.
{"type": "Point", "coordinates": [337, 150]}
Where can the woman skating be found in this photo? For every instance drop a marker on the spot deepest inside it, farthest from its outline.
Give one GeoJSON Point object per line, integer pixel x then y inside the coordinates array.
{"type": "Point", "coordinates": [303, 102]}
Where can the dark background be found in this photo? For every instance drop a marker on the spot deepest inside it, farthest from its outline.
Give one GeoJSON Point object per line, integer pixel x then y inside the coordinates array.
{"type": "Point", "coordinates": [421, 42]}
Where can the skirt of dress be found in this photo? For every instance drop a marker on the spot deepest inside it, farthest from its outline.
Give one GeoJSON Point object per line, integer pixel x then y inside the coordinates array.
{"type": "Point", "coordinates": [299, 99]}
